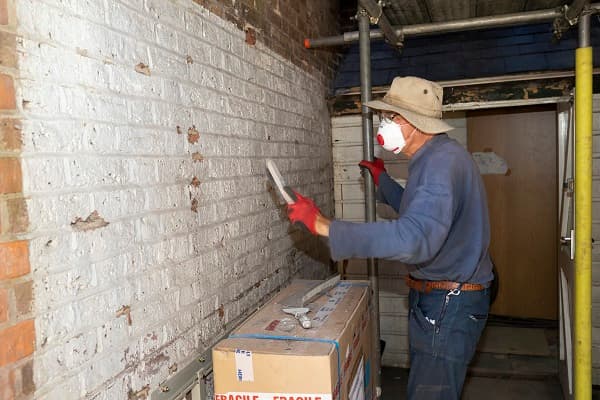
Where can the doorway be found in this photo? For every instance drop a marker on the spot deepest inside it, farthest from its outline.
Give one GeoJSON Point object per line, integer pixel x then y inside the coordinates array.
{"type": "Point", "coordinates": [522, 206]}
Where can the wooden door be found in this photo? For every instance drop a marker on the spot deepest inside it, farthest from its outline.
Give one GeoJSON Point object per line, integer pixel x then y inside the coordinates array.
{"type": "Point", "coordinates": [522, 205]}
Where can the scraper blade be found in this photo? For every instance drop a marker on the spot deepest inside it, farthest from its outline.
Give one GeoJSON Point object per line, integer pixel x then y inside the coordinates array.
{"type": "Point", "coordinates": [287, 193]}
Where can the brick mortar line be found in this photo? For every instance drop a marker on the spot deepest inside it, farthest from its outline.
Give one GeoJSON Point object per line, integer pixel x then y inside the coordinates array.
{"type": "Point", "coordinates": [12, 72]}
{"type": "Point", "coordinates": [40, 195]}
{"type": "Point", "coordinates": [188, 152]}
{"type": "Point", "coordinates": [34, 195]}
{"type": "Point", "coordinates": [189, 257]}
{"type": "Point", "coordinates": [158, 100]}
{"type": "Point", "coordinates": [92, 328]}
{"type": "Point", "coordinates": [184, 157]}
{"type": "Point", "coordinates": [166, 265]}
{"type": "Point", "coordinates": [27, 116]}
{"type": "Point", "coordinates": [230, 29]}
{"type": "Point", "coordinates": [95, 391]}
{"type": "Point", "coordinates": [287, 63]}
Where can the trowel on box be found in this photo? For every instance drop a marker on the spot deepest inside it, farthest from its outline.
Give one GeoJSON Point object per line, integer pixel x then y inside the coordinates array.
{"type": "Point", "coordinates": [296, 303]}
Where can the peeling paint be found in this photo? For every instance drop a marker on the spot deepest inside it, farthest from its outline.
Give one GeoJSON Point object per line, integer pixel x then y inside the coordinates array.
{"type": "Point", "coordinates": [194, 207]}
{"type": "Point", "coordinates": [189, 60]}
{"type": "Point", "coordinates": [93, 221]}
{"type": "Point", "coordinates": [179, 131]}
{"type": "Point", "coordinates": [140, 394]}
{"type": "Point", "coordinates": [152, 366]}
{"type": "Point", "coordinates": [196, 157]}
{"type": "Point", "coordinates": [142, 69]}
{"type": "Point", "coordinates": [250, 36]}
{"type": "Point", "coordinates": [125, 310]}
{"type": "Point", "coordinates": [82, 52]}
{"type": "Point", "coordinates": [195, 182]}
{"type": "Point", "coordinates": [193, 135]}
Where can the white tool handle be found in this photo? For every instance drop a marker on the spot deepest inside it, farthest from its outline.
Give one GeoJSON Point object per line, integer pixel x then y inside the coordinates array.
{"type": "Point", "coordinates": [304, 321]}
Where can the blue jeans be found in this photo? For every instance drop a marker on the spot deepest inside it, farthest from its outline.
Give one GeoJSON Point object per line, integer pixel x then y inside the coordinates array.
{"type": "Point", "coordinates": [444, 328]}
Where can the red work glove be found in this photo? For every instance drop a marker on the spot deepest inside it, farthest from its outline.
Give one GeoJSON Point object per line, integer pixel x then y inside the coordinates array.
{"type": "Point", "coordinates": [375, 168]}
{"type": "Point", "coordinates": [304, 210]}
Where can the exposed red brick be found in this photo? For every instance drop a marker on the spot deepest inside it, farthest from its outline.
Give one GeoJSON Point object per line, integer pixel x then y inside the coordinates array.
{"type": "Point", "coordinates": [20, 378]}
{"type": "Point", "coordinates": [10, 134]}
{"type": "Point", "coordinates": [3, 305]}
{"type": "Point", "coordinates": [283, 26]}
{"type": "Point", "coordinates": [10, 174]}
{"type": "Point", "coordinates": [3, 12]}
{"type": "Point", "coordinates": [27, 383]}
{"type": "Point", "coordinates": [23, 297]}
{"type": "Point", "coordinates": [6, 389]}
{"type": "Point", "coordinates": [17, 342]}
{"type": "Point", "coordinates": [17, 220]}
{"type": "Point", "coordinates": [8, 52]}
{"type": "Point", "coordinates": [250, 36]}
{"type": "Point", "coordinates": [193, 135]}
{"type": "Point", "coordinates": [14, 259]}
{"type": "Point", "coordinates": [7, 93]}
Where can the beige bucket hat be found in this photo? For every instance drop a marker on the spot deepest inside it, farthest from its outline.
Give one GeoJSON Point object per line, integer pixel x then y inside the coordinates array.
{"type": "Point", "coordinates": [418, 100]}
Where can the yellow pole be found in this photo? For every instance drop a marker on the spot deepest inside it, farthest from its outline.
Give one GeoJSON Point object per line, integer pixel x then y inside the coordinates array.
{"type": "Point", "coordinates": [583, 223]}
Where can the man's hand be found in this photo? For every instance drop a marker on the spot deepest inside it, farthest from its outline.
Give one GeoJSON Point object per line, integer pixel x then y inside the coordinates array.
{"type": "Point", "coordinates": [304, 210]}
{"type": "Point", "coordinates": [375, 168]}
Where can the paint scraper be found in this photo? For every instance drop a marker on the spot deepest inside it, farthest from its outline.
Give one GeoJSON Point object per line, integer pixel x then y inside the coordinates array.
{"type": "Point", "coordinates": [286, 192]}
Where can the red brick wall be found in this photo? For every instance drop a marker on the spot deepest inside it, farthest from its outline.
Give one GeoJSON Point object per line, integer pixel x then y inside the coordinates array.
{"type": "Point", "coordinates": [282, 25]}
{"type": "Point", "coordinates": [17, 330]}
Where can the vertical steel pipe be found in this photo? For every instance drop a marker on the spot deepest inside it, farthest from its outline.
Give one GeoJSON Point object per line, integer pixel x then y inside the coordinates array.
{"type": "Point", "coordinates": [583, 212]}
{"type": "Point", "coordinates": [368, 154]}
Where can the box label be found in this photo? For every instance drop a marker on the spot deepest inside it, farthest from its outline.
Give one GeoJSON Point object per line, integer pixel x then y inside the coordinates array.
{"type": "Point", "coordinates": [271, 396]}
{"type": "Point", "coordinates": [357, 390]}
{"type": "Point", "coordinates": [335, 296]}
{"type": "Point", "coordinates": [244, 369]}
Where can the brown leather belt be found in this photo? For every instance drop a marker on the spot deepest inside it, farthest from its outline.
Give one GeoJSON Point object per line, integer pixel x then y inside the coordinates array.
{"type": "Point", "coordinates": [427, 286]}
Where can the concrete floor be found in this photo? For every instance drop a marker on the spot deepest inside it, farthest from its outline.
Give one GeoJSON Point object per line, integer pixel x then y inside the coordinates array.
{"type": "Point", "coordinates": [499, 371]}
{"type": "Point", "coordinates": [394, 382]}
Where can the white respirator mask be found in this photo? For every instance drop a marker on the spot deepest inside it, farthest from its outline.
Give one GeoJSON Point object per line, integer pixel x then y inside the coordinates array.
{"type": "Point", "coordinates": [390, 136]}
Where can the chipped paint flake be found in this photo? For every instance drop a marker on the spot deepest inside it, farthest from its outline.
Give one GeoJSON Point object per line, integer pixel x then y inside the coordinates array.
{"type": "Point", "coordinates": [93, 221]}
{"type": "Point", "coordinates": [125, 310]}
{"type": "Point", "coordinates": [193, 134]}
{"type": "Point", "coordinates": [142, 69]}
{"type": "Point", "coordinates": [197, 157]}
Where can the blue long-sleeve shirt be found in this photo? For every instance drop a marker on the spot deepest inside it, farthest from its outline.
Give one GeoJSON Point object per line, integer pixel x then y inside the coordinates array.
{"type": "Point", "coordinates": [443, 230]}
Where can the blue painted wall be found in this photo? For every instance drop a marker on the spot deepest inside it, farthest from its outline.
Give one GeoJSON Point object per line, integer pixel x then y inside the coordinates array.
{"type": "Point", "coordinates": [470, 54]}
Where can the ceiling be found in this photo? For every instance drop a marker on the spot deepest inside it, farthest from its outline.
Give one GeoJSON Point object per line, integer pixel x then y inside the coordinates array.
{"type": "Point", "coordinates": [409, 12]}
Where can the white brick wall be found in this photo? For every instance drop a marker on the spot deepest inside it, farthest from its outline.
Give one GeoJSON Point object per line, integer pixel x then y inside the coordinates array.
{"type": "Point", "coordinates": [100, 136]}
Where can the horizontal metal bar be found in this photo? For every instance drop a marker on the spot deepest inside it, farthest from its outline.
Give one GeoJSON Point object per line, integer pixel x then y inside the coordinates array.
{"type": "Point", "coordinates": [485, 80]}
{"type": "Point", "coordinates": [504, 103]}
{"type": "Point", "coordinates": [449, 26]}
{"type": "Point", "coordinates": [511, 78]}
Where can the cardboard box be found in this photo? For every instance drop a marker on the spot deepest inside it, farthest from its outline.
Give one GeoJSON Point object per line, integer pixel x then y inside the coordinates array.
{"type": "Point", "coordinates": [262, 360]}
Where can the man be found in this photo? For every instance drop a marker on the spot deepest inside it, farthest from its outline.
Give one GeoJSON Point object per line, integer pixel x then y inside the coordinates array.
{"type": "Point", "coordinates": [442, 233]}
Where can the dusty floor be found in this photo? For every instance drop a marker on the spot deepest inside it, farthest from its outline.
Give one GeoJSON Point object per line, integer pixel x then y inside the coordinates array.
{"type": "Point", "coordinates": [394, 387]}
{"type": "Point", "coordinates": [508, 365]}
